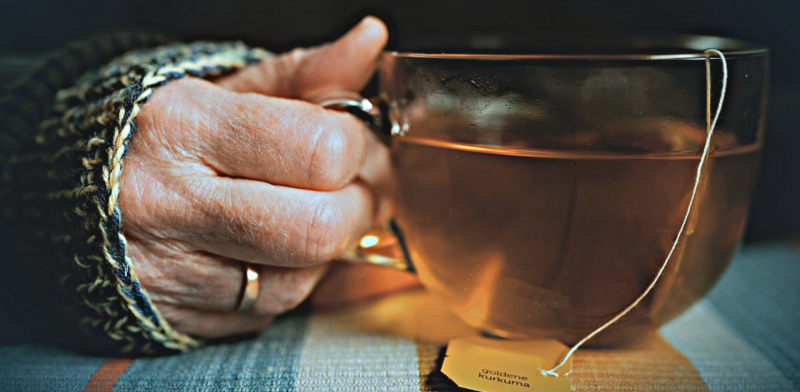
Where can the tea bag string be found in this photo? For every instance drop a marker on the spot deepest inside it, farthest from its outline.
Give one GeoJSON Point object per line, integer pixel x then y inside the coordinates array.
{"type": "Point", "coordinates": [710, 125]}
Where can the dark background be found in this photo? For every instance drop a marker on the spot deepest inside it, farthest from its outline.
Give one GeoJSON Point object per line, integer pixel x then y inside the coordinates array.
{"type": "Point", "coordinates": [30, 27]}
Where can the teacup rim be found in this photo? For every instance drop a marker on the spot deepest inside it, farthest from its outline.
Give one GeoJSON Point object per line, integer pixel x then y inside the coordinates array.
{"type": "Point", "coordinates": [692, 47]}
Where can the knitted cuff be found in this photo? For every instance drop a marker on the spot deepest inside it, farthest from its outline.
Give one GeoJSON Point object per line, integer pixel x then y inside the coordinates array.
{"type": "Point", "coordinates": [67, 188]}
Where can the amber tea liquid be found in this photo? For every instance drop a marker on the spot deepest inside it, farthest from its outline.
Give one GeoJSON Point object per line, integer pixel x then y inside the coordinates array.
{"type": "Point", "coordinates": [525, 242]}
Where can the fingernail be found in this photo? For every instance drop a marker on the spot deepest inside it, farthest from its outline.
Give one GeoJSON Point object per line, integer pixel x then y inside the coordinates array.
{"type": "Point", "coordinates": [370, 26]}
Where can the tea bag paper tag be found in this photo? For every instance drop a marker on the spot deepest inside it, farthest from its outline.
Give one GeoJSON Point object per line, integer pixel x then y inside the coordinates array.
{"type": "Point", "coordinates": [490, 365]}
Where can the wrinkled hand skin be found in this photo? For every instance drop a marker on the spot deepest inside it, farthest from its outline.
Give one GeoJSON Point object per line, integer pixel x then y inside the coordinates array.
{"type": "Point", "coordinates": [242, 169]}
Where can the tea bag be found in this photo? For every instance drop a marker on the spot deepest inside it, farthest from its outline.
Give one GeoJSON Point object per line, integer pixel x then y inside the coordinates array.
{"type": "Point", "coordinates": [544, 365]}
{"type": "Point", "coordinates": [484, 364]}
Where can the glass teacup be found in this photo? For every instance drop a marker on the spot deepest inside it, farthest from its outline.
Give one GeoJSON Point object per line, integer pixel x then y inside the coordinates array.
{"type": "Point", "coordinates": [537, 195]}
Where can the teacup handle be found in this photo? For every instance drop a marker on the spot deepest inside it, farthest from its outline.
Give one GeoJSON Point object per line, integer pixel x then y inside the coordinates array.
{"type": "Point", "coordinates": [383, 246]}
{"type": "Point", "coordinates": [365, 109]}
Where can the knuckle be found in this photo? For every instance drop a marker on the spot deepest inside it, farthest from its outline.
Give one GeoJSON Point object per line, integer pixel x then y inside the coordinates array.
{"type": "Point", "coordinates": [325, 233]}
{"type": "Point", "coordinates": [296, 55]}
{"type": "Point", "coordinates": [295, 286]}
{"type": "Point", "coordinates": [330, 152]}
{"type": "Point", "coordinates": [288, 63]}
{"type": "Point", "coordinates": [327, 169]}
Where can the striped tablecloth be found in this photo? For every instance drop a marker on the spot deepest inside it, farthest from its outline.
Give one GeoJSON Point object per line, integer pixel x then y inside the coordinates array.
{"type": "Point", "coordinates": [742, 337]}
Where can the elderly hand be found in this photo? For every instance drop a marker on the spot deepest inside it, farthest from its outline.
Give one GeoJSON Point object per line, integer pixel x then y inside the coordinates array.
{"type": "Point", "coordinates": [243, 170]}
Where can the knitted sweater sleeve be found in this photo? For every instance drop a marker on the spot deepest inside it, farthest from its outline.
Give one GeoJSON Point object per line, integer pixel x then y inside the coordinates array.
{"type": "Point", "coordinates": [64, 131]}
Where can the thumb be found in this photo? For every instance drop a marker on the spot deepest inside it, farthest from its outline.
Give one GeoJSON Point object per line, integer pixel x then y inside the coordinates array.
{"type": "Point", "coordinates": [344, 65]}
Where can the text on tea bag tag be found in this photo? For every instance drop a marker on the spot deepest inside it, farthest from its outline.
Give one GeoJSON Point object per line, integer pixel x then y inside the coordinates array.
{"type": "Point", "coordinates": [490, 365]}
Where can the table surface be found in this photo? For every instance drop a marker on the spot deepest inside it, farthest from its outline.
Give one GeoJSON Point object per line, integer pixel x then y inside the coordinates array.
{"type": "Point", "coordinates": [742, 337]}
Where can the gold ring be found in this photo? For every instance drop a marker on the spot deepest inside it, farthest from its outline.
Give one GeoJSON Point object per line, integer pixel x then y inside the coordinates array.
{"type": "Point", "coordinates": [250, 289]}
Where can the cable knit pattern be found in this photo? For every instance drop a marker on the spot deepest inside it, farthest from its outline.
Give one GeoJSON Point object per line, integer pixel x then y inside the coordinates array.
{"type": "Point", "coordinates": [63, 179]}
